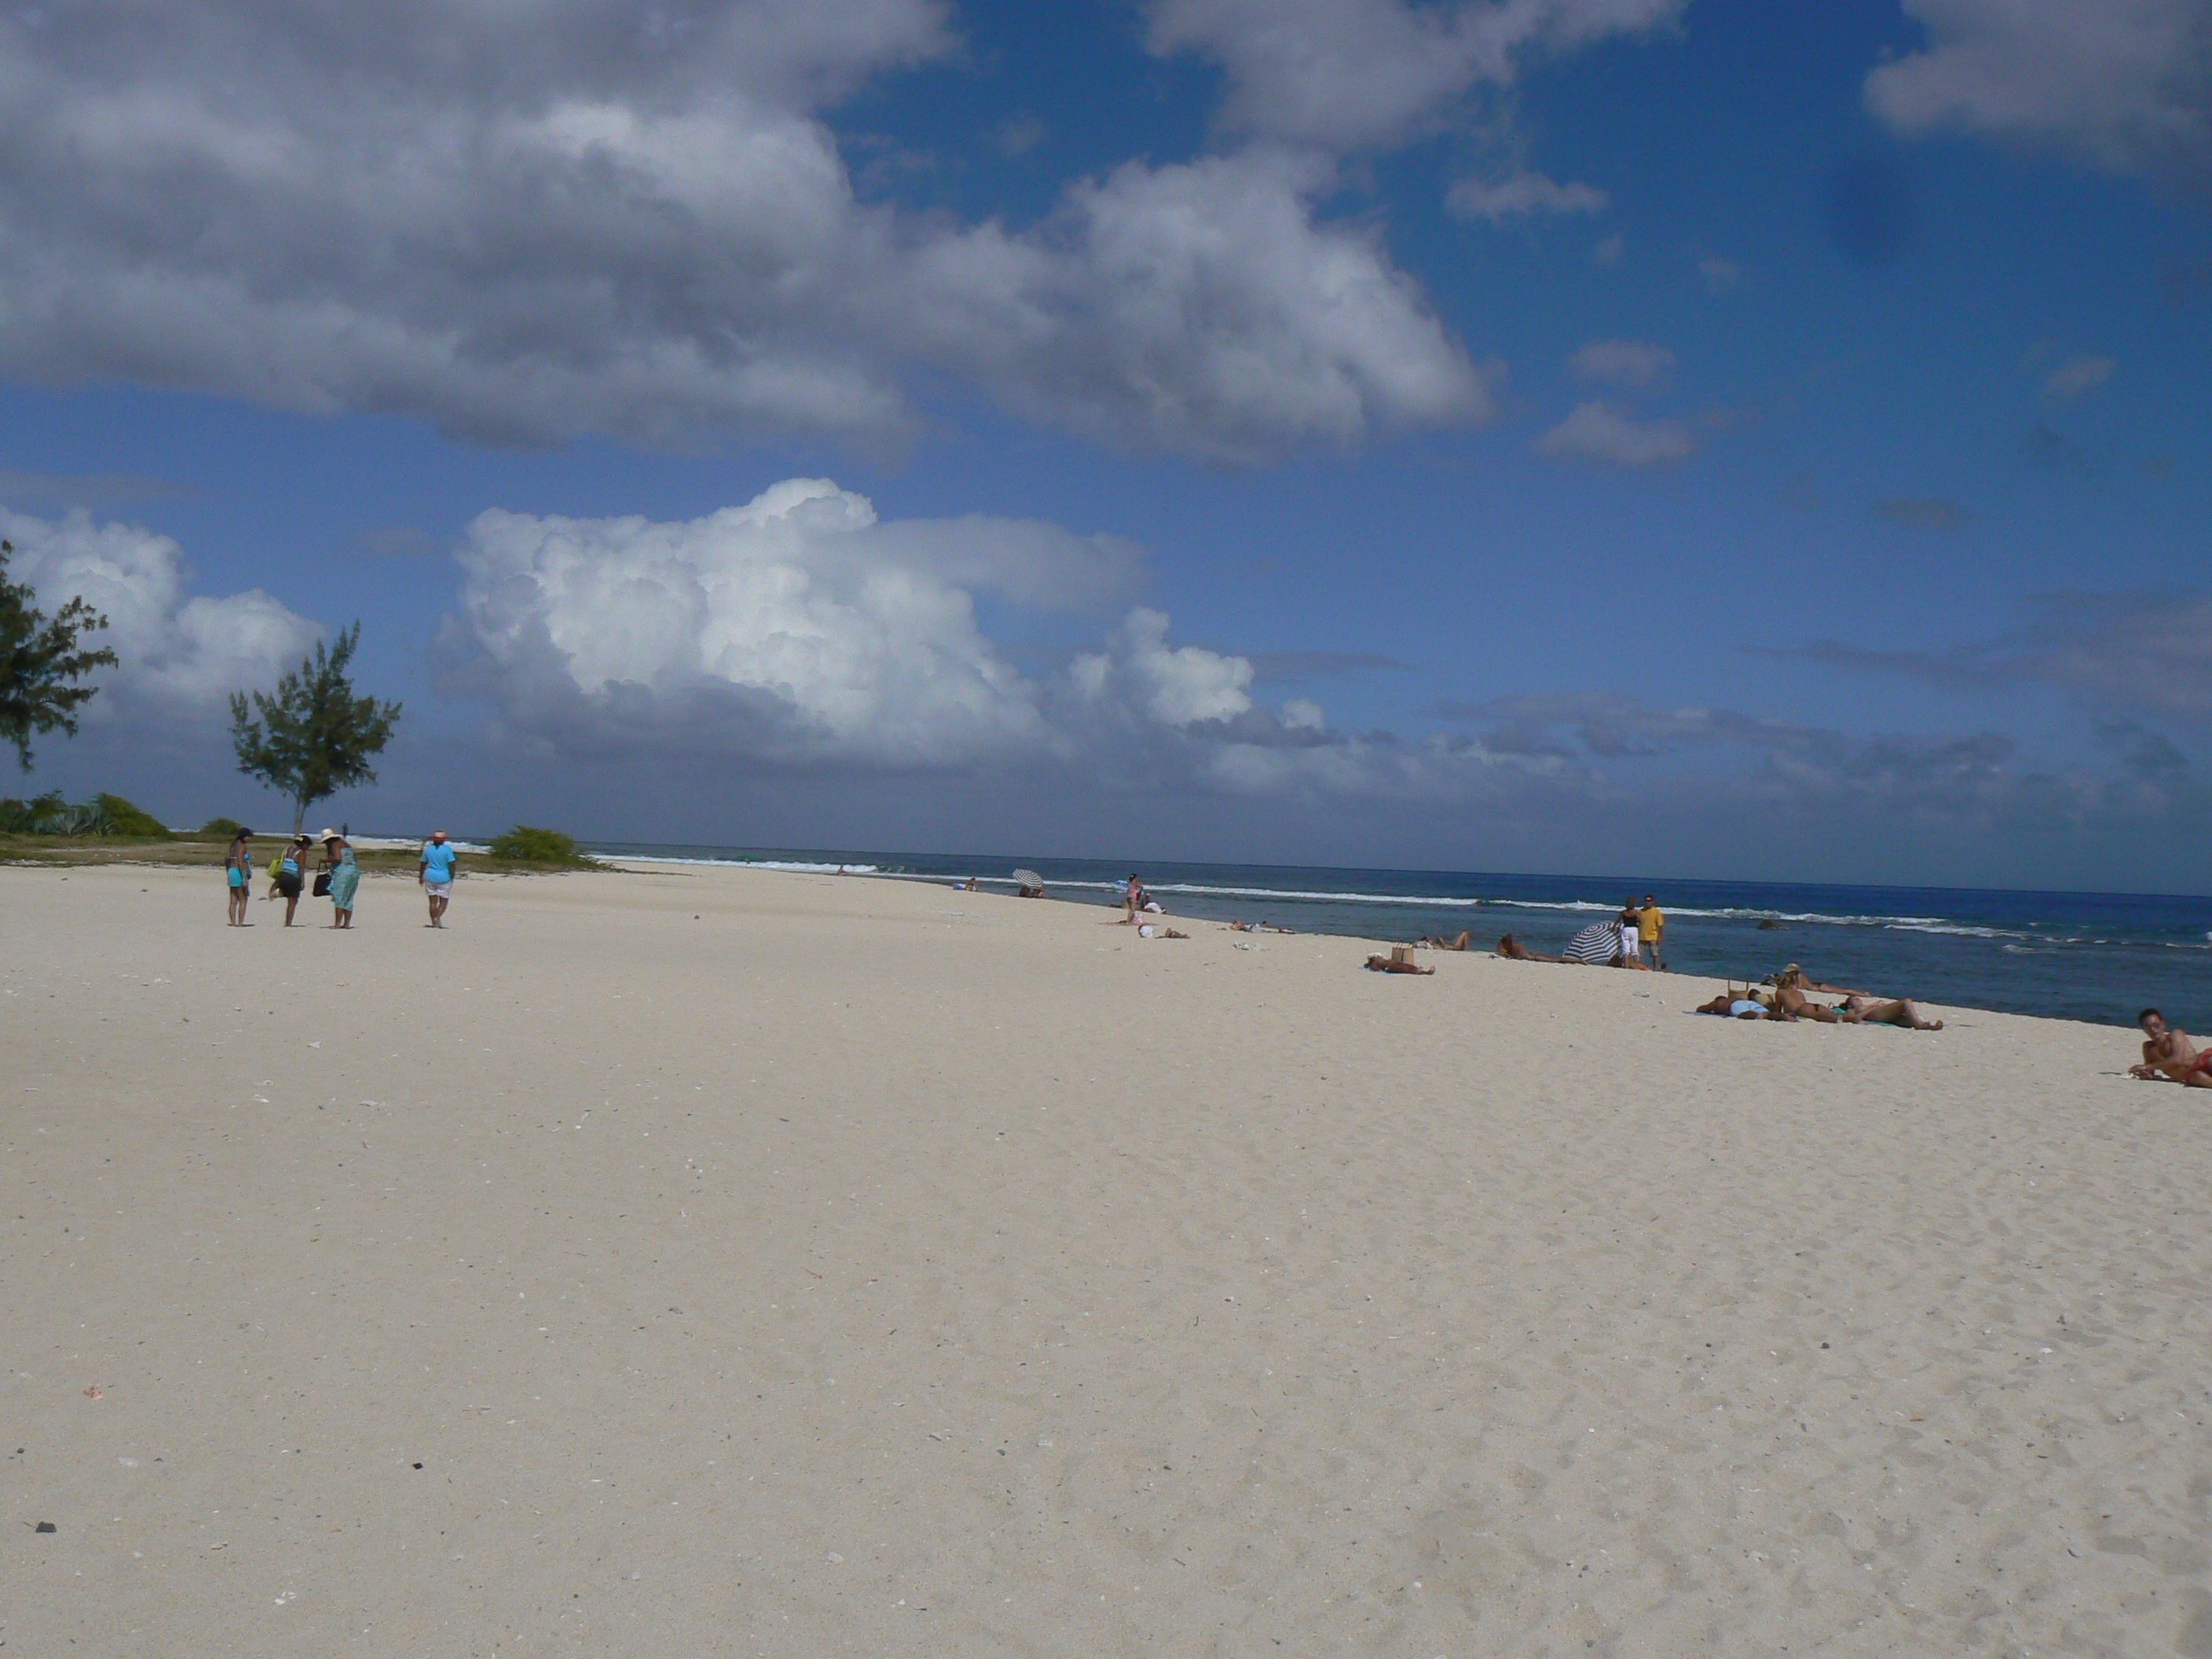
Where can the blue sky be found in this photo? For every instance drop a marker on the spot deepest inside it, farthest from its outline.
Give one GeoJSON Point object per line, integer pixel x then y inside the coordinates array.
{"type": "Point", "coordinates": [1705, 439]}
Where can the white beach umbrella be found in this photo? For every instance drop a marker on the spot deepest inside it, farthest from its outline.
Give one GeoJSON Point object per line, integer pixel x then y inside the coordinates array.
{"type": "Point", "coordinates": [1028, 879]}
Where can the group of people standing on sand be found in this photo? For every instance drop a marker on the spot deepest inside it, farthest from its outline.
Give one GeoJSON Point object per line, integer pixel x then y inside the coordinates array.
{"type": "Point", "coordinates": [334, 875]}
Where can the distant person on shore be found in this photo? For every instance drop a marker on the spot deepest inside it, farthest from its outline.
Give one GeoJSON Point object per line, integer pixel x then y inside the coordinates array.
{"type": "Point", "coordinates": [345, 878]}
{"type": "Point", "coordinates": [1136, 902]}
{"type": "Point", "coordinates": [1650, 932]}
{"type": "Point", "coordinates": [1734, 1005]}
{"type": "Point", "coordinates": [435, 871]}
{"type": "Point", "coordinates": [292, 875]}
{"type": "Point", "coordinates": [1790, 1002]}
{"type": "Point", "coordinates": [1806, 982]}
{"type": "Point", "coordinates": [1628, 921]}
{"type": "Point", "coordinates": [238, 876]}
{"type": "Point", "coordinates": [2169, 1054]}
{"type": "Point", "coordinates": [1438, 942]}
{"type": "Point", "coordinates": [1514, 950]}
{"type": "Point", "coordinates": [1400, 960]}
{"type": "Point", "coordinates": [1857, 1008]}
{"type": "Point", "coordinates": [1886, 1010]}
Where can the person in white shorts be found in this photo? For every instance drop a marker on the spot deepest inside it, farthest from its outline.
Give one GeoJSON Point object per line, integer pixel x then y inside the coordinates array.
{"type": "Point", "coordinates": [435, 873]}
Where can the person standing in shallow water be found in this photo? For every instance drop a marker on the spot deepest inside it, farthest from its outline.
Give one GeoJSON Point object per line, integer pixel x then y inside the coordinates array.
{"type": "Point", "coordinates": [435, 873]}
{"type": "Point", "coordinates": [238, 876]}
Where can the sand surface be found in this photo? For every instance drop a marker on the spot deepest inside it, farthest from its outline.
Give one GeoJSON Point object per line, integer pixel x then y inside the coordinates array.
{"type": "Point", "coordinates": [706, 1262]}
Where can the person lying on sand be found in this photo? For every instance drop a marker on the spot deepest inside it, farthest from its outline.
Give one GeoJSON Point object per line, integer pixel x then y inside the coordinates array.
{"type": "Point", "coordinates": [1438, 942]}
{"type": "Point", "coordinates": [1732, 1005]}
{"type": "Point", "coordinates": [2167, 1053]}
{"type": "Point", "coordinates": [1885, 1010]}
{"type": "Point", "coordinates": [1790, 1002]}
{"type": "Point", "coordinates": [1513, 950]}
{"type": "Point", "coordinates": [1857, 1008]}
{"type": "Point", "coordinates": [1808, 984]}
{"type": "Point", "coordinates": [1400, 960]}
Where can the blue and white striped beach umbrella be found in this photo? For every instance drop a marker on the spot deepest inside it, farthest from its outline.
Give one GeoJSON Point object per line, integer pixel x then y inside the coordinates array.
{"type": "Point", "coordinates": [1597, 943]}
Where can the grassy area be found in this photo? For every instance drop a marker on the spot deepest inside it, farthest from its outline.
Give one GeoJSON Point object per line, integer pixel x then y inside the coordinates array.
{"type": "Point", "coordinates": [207, 853]}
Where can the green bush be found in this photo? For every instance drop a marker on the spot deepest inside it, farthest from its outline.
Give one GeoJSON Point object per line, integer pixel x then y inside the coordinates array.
{"type": "Point", "coordinates": [125, 819]}
{"type": "Point", "coordinates": [30, 818]}
{"type": "Point", "coordinates": [220, 828]}
{"type": "Point", "coordinates": [524, 845]}
{"type": "Point", "coordinates": [50, 815]}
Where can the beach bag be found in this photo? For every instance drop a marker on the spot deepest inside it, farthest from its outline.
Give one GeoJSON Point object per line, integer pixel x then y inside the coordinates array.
{"type": "Point", "coordinates": [322, 883]}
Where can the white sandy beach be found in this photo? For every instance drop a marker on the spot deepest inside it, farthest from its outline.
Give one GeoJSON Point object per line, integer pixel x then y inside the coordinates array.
{"type": "Point", "coordinates": [702, 1261]}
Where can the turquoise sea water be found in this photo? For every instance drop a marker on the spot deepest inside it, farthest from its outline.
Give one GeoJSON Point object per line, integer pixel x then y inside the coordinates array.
{"type": "Point", "coordinates": [2097, 957]}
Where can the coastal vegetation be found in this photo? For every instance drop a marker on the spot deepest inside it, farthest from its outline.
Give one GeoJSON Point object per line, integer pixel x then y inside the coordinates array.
{"type": "Point", "coordinates": [530, 844]}
{"type": "Point", "coordinates": [42, 659]}
{"type": "Point", "coordinates": [313, 737]}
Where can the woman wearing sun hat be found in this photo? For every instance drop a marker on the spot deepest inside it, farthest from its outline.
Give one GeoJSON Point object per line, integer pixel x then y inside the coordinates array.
{"type": "Point", "coordinates": [346, 876]}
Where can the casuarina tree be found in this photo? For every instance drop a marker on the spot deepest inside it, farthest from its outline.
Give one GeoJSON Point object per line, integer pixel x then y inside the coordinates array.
{"type": "Point", "coordinates": [40, 663]}
{"type": "Point", "coordinates": [313, 738]}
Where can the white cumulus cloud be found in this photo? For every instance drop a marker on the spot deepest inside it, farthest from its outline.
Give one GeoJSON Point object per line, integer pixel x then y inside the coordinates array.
{"type": "Point", "coordinates": [529, 222]}
{"type": "Point", "coordinates": [1600, 431]}
{"type": "Point", "coordinates": [1351, 74]}
{"type": "Point", "coordinates": [2126, 84]}
{"type": "Point", "coordinates": [179, 654]}
{"type": "Point", "coordinates": [1176, 685]}
{"type": "Point", "coordinates": [1519, 195]}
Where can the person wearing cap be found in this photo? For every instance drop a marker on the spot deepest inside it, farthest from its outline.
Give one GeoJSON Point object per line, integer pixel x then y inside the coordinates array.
{"type": "Point", "coordinates": [435, 873]}
{"type": "Point", "coordinates": [1650, 931]}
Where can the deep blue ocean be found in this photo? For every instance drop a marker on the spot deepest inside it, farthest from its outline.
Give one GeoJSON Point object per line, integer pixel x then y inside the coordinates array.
{"type": "Point", "coordinates": [2096, 956]}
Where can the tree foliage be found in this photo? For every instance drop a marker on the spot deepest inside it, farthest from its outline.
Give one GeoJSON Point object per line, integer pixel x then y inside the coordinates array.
{"type": "Point", "coordinates": [125, 819]}
{"type": "Point", "coordinates": [527, 844]}
{"type": "Point", "coordinates": [40, 660]}
{"type": "Point", "coordinates": [314, 737]}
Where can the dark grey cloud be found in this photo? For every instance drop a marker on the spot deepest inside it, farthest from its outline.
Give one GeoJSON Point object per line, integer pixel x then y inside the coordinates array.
{"type": "Point", "coordinates": [2147, 652]}
{"type": "Point", "coordinates": [99, 491]}
{"type": "Point", "coordinates": [1924, 513]}
{"type": "Point", "coordinates": [1611, 726]}
{"type": "Point", "coordinates": [527, 222]}
{"type": "Point", "coordinates": [399, 541]}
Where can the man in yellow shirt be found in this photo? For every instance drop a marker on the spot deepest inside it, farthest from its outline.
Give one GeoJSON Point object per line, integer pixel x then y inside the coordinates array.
{"type": "Point", "coordinates": [1650, 932]}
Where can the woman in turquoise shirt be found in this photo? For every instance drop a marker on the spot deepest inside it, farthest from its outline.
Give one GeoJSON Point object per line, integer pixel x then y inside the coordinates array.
{"type": "Point", "coordinates": [346, 876]}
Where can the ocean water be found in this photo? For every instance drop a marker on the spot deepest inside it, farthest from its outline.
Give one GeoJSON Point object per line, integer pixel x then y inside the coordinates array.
{"type": "Point", "coordinates": [2095, 956]}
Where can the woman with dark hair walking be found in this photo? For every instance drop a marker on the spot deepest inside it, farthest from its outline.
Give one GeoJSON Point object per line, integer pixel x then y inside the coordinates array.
{"type": "Point", "coordinates": [238, 876]}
